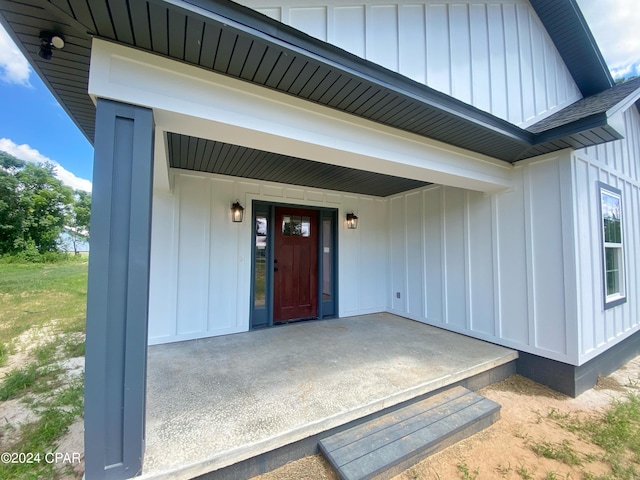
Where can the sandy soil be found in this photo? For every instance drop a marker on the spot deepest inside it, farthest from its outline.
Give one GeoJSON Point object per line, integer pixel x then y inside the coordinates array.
{"type": "Point", "coordinates": [503, 451]}
{"type": "Point", "coordinates": [17, 412]}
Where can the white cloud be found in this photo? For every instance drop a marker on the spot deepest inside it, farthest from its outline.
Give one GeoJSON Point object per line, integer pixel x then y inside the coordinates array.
{"type": "Point", "coordinates": [614, 24]}
{"type": "Point", "coordinates": [28, 154]}
{"type": "Point", "coordinates": [14, 68]}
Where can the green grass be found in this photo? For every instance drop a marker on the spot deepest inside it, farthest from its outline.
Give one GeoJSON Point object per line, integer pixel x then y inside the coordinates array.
{"type": "Point", "coordinates": [18, 381]}
{"type": "Point", "coordinates": [33, 295]}
{"type": "Point", "coordinates": [4, 354]}
{"type": "Point", "coordinates": [74, 348]}
{"type": "Point", "coordinates": [524, 473]}
{"type": "Point", "coordinates": [620, 428]}
{"type": "Point", "coordinates": [45, 303]}
{"type": "Point", "coordinates": [617, 432]}
{"type": "Point", "coordinates": [467, 474]}
{"type": "Point", "coordinates": [563, 452]}
{"type": "Point", "coordinates": [41, 436]}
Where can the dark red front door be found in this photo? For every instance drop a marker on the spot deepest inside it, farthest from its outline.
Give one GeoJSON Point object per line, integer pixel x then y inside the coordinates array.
{"type": "Point", "coordinates": [295, 264]}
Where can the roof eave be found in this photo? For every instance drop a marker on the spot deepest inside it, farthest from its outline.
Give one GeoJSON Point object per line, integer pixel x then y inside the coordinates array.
{"type": "Point", "coordinates": [593, 130]}
{"type": "Point", "coordinates": [579, 126]}
{"type": "Point", "coordinates": [625, 103]}
{"type": "Point", "coordinates": [484, 133]}
{"type": "Point", "coordinates": [582, 55]}
{"type": "Point", "coordinates": [289, 38]}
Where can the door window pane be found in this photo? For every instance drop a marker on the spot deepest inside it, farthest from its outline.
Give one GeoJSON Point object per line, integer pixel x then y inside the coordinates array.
{"type": "Point", "coordinates": [296, 226]}
{"type": "Point", "coordinates": [286, 225]}
{"type": "Point", "coordinates": [305, 227]}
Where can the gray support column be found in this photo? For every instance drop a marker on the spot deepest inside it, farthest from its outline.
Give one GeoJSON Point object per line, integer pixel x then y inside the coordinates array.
{"type": "Point", "coordinates": [118, 292]}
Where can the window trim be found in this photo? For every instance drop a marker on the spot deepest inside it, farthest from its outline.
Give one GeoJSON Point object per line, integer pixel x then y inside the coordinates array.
{"type": "Point", "coordinates": [610, 301]}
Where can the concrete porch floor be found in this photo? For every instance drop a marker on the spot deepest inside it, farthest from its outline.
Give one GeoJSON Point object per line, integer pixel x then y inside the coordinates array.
{"type": "Point", "coordinates": [218, 401]}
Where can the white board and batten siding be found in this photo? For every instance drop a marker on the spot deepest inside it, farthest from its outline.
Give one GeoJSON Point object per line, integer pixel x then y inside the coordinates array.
{"type": "Point", "coordinates": [495, 55]}
{"type": "Point", "coordinates": [201, 260]}
{"type": "Point", "coordinates": [523, 268]}
{"type": "Point", "coordinates": [616, 164]}
{"type": "Point", "coordinates": [496, 267]}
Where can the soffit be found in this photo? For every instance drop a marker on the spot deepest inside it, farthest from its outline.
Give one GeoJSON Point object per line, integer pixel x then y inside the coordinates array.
{"type": "Point", "coordinates": [197, 154]}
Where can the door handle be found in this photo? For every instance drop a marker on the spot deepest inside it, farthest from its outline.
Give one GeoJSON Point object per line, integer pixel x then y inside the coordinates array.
{"type": "Point", "coordinates": [275, 269]}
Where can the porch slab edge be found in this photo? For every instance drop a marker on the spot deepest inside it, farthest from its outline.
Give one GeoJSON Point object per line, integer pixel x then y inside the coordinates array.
{"type": "Point", "coordinates": [208, 468]}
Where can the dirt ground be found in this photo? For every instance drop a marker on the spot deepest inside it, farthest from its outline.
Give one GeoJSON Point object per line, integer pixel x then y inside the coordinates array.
{"type": "Point", "coordinates": [503, 451]}
{"type": "Point", "coordinates": [17, 412]}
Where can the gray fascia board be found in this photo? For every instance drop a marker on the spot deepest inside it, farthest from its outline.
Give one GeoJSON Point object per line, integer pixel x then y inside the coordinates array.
{"type": "Point", "coordinates": [597, 120]}
{"type": "Point", "coordinates": [593, 45]}
{"type": "Point", "coordinates": [269, 30]}
{"type": "Point", "coordinates": [592, 121]}
{"type": "Point", "coordinates": [625, 103]}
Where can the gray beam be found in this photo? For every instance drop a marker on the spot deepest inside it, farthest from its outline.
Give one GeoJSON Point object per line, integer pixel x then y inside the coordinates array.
{"type": "Point", "coordinates": [118, 292]}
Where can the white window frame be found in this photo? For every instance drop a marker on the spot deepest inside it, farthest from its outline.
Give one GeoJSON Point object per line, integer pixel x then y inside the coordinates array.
{"type": "Point", "coordinates": [610, 200]}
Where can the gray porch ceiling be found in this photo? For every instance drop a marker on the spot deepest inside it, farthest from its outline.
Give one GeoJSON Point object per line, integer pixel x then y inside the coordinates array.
{"type": "Point", "coordinates": [221, 36]}
{"type": "Point", "coordinates": [197, 154]}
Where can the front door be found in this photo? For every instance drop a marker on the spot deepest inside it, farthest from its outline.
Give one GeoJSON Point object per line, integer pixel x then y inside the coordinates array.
{"type": "Point", "coordinates": [295, 262]}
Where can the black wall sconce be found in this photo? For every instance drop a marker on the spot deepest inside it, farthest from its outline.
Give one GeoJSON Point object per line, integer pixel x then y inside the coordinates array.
{"type": "Point", "coordinates": [352, 221]}
{"type": "Point", "coordinates": [49, 41]}
{"type": "Point", "coordinates": [237, 212]}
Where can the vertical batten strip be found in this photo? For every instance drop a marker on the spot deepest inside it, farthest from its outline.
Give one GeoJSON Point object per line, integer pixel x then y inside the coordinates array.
{"type": "Point", "coordinates": [467, 260]}
{"type": "Point", "coordinates": [529, 273]}
{"type": "Point", "coordinates": [443, 253]}
{"type": "Point", "coordinates": [425, 266]}
{"type": "Point", "coordinates": [497, 281]}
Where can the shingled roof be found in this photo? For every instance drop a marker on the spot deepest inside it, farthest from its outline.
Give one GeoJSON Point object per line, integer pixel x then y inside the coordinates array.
{"type": "Point", "coordinates": [597, 104]}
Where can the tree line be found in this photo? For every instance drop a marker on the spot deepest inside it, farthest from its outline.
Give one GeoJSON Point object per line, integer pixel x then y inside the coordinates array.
{"type": "Point", "coordinates": [36, 208]}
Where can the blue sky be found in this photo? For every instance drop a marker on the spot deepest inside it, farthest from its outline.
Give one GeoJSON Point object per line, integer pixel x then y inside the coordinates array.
{"type": "Point", "coordinates": [34, 127]}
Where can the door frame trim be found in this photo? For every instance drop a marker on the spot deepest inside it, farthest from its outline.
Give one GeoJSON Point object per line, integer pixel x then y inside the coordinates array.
{"type": "Point", "coordinates": [263, 317]}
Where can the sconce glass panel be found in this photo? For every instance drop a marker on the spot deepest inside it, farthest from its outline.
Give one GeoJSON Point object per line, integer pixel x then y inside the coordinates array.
{"type": "Point", "coordinates": [352, 221]}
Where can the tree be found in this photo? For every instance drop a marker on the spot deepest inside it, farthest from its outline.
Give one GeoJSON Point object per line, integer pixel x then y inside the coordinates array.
{"type": "Point", "coordinates": [79, 218]}
{"type": "Point", "coordinates": [33, 206]}
{"type": "Point", "coordinates": [10, 219]}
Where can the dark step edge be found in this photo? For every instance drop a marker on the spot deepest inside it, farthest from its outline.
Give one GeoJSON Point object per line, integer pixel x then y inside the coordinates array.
{"type": "Point", "coordinates": [400, 427]}
{"type": "Point", "coordinates": [407, 461]}
{"type": "Point", "coordinates": [461, 434]}
{"type": "Point", "coordinates": [343, 438]}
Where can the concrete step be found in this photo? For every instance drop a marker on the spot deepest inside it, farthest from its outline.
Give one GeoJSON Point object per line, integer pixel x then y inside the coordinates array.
{"type": "Point", "coordinates": [391, 443]}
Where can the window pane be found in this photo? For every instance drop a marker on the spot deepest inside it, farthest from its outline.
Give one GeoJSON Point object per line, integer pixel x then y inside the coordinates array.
{"type": "Point", "coordinates": [296, 228]}
{"type": "Point", "coordinates": [611, 211]}
{"type": "Point", "coordinates": [261, 261]}
{"type": "Point", "coordinates": [306, 226]}
{"type": "Point", "coordinates": [613, 273]}
{"type": "Point", "coordinates": [327, 248]}
{"type": "Point", "coordinates": [611, 217]}
{"type": "Point", "coordinates": [286, 225]}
